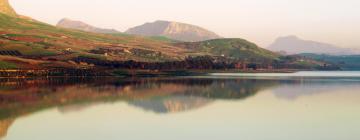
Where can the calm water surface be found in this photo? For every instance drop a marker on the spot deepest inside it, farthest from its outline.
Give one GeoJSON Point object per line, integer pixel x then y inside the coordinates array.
{"type": "Point", "coordinates": [300, 106]}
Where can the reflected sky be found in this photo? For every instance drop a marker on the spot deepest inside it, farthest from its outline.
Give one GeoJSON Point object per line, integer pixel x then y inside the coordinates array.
{"type": "Point", "coordinates": [180, 108]}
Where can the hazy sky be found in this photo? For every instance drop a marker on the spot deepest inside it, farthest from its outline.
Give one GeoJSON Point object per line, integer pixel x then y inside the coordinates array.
{"type": "Point", "coordinates": [260, 21]}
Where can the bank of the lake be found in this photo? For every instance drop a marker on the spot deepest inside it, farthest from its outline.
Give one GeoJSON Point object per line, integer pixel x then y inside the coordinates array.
{"type": "Point", "coordinates": [22, 73]}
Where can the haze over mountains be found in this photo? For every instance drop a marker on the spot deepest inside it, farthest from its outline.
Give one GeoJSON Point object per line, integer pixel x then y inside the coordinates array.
{"type": "Point", "coordinates": [295, 45]}
{"type": "Point", "coordinates": [191, 33]}
{"type": "Point", "coordinates": [79, 25]}
{"type": "Point", "coordinates": [22, 40]}
{"type": "Point", "coordinates": [173, 30]}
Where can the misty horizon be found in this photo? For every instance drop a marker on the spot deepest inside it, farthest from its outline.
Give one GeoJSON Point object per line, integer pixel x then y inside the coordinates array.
{"type": "Point", "coordinates": [259, 21]}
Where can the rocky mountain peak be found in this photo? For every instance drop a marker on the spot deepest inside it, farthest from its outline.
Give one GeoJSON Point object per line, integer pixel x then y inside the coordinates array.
{"type": "Point", "coordinates": [79, 25]}
{"type": "Point", "coordinates": [174, 30]}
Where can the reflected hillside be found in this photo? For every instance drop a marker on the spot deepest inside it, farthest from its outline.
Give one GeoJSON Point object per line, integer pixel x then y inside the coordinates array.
{"type": "Point", "coordinates": [21, 97]}
{"type": "Point", "coordinates": [195, 93]}
{"type": "Point", "coordinates": [4, 126]}
{"type": "Point", "coordinates": [172, 104]}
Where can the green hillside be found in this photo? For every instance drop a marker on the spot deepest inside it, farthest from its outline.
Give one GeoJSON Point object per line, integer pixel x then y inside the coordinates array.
{"type": "Point", "coordinates": [35, 39]}
{"type": "Point", "coordinates": [27, 43]}
{"type": "Point", "coordinates": [346, 62]}
{"type": "Point", "coordinates": [231, 48]}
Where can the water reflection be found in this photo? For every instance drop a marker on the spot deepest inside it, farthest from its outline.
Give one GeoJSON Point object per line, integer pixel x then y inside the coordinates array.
{"type": "Point", "coordinates": [21, 97]}
{"type": "Point", "coordinates": [294, 89]}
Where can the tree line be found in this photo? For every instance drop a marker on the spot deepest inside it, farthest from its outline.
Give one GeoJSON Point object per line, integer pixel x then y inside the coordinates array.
{"type": "Point", "coordinates": [197, 62]}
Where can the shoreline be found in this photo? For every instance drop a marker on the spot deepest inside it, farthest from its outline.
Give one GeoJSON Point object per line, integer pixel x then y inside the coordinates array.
{"type": "Point", "coordinates": [53, 73]}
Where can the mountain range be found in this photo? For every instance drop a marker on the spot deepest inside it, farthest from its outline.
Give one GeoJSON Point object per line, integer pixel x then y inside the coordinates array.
{"type": "Point", "coordinates": [29, 44]}
{"type": "Point", "coordinates": [295, 45]}
{"type": "Point", "coordinates": [173, 30]}
{"type": "Point", "coordinates": [79, 25]}
{"type": "Point", "coordinates": [23, 39]}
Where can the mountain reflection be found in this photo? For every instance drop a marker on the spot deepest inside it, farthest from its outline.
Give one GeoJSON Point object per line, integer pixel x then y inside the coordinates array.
{"type": "Point", "coordinates": [188, 94]}
{"type": "Point", "coordinates": [20, 97]}
{"type": "Point", "coordinates": [171, 104]}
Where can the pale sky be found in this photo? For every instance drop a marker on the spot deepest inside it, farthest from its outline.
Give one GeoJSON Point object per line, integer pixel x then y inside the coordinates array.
{"type": "Point", "coordinates": [261, 21]}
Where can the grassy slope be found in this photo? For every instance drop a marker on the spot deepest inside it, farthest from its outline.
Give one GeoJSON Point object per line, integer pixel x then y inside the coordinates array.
{"type": "Point", "coordinates": [33, 38]}
{"type": "Point", "coordinates": [233, 48]}
{"type": "Point", "coordinates": [59, 39]}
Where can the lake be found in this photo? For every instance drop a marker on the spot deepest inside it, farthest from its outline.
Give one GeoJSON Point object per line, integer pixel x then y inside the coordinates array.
{"type": "Point", "coordinates": [291, 106]}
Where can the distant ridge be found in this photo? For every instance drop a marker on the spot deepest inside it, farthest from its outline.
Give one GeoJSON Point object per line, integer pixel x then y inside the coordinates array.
{"type": "Point", "coordinates": [79, 25]}
{"type": "Point", "coordinates": [48, 47]}
{"type": "Point", "coordinates": [295, 45]}
{"type": "Point", "coordinates": [174, 30]}
{"type": "Point", "coordinates": [5, 8]}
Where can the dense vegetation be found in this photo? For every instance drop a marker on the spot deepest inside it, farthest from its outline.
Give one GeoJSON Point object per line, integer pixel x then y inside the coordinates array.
{"type": "Point", "coordinates": [346, 62]}
{"type": "Point", "coordinates": [7, 65]}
